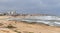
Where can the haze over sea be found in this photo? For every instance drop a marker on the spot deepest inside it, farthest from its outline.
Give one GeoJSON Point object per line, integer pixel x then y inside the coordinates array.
{"type": "Point", "coordinates": [31, 6]}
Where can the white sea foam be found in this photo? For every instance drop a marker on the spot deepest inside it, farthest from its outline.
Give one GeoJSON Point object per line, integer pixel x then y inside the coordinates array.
{"type": "Point", "coordinates": [50, 20]}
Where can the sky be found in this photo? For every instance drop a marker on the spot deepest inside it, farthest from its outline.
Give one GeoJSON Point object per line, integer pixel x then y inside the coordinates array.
{"type": "Point", "coordinates": [31, 6]}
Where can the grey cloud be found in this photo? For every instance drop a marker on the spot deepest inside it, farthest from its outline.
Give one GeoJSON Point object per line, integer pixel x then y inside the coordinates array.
{"type": "Point", "coordinates": [31, 6]}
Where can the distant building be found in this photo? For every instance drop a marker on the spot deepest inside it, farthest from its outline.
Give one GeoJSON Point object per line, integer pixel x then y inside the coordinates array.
{"type": "Point", "coordinates": [2, 14]}
{"type": "Point", "coordinates": [12, 12]}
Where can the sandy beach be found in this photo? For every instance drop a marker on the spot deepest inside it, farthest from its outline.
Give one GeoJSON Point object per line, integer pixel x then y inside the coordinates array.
{"type": "Point", "coordinates": [24, 27]}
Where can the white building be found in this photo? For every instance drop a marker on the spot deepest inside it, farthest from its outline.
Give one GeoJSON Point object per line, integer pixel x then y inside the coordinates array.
{"type": "Point", "coordinates": [12, 13]}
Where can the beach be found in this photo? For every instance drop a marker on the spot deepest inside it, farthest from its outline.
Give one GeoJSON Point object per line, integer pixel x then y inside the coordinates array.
{"type": "Point", "coordinates": [24, 27]}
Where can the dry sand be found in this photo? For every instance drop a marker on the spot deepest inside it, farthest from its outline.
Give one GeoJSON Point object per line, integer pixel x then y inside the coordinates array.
{"type": "Point", "coordinates": [24, 27]}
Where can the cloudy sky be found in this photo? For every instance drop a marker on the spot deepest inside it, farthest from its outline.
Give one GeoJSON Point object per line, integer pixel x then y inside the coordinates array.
{"type": "Point", "coordinates": [31, 6]}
